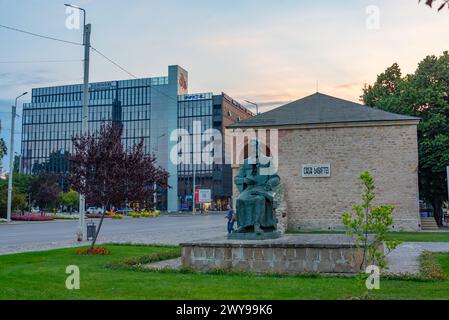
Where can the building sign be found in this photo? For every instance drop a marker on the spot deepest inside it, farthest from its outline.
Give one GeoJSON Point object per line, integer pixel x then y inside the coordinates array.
{"type": "Point", "coordinates": [316, 170]}
{"type": "Point", "coordinates": [182, 81]}
{"type": "Point", "coordinates": [203, 196]}
{"type": "Point", "coordinates": [194, 97]}
{"type": "Point", "coordinates": [102, 85]}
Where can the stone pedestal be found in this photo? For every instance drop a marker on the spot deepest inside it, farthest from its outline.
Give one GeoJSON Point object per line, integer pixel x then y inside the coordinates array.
{"type": "Point", "coordinates": [290, 254]}
{"type": "Point", "coordinates": [254, 236]}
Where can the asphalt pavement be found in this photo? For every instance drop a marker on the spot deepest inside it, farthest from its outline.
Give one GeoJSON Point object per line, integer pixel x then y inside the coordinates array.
{"type": "Point", "coordinates": [166, 229]}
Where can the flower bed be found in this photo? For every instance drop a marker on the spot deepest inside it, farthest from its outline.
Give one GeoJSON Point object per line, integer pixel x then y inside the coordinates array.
{"type": "Point", "coordinates": [60, 216]}
{"type": "Point", "coordinates": [94, 251]}
{"type": "Point", "coordinates": [96, 215]}
{"type": "Point", "coordinates": [31, 217]}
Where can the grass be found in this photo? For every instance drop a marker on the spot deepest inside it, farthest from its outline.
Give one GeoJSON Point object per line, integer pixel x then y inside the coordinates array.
{"type": "Point", "coordinates": [403, 236]}
{"type": "Point", "coordinates": [430, 266]}
{"type": "Point", "coordinates": [41, 275]}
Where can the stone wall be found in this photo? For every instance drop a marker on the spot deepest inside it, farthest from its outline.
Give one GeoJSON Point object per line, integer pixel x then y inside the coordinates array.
{"type": "Point", "coordinates": [390, 153]}
{"type": "Point", "coordinates": [288, 255]}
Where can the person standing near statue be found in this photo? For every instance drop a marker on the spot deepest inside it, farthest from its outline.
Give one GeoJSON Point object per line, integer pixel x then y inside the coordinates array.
{"type": "Point", "coordinates": [231, 217]}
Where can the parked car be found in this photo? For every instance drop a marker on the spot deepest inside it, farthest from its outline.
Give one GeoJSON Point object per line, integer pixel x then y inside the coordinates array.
{"type": "Point", "coordinates": [94, 210]}
{"type": "Point", "coordinates": [124, 211]}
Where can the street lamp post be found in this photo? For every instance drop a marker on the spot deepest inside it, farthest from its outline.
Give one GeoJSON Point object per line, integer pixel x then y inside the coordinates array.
{"type": "Point", "coordinates": [11, 157]}
{"type": "Point", "coordinates": [254, 104]}
{"type": "Point", "coordinates": [85, 112]}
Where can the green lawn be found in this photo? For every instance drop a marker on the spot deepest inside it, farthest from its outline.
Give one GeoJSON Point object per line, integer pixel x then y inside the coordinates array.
{"type": "Point", "coordinates": [41, 275]}
{"type": "Point", "coordinates": [404, 236]}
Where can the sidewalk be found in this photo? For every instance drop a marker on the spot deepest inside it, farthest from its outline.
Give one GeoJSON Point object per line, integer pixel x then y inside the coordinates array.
{"type": "Point", "coordinates": [405, 258]}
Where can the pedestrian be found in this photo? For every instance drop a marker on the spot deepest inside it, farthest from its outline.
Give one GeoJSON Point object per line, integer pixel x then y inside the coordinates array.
{"type": "Point", "coordinates": [231, 217]}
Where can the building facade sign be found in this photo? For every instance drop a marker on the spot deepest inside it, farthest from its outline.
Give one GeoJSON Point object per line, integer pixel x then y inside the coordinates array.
{"type": "Point", "coordinates": [183, 81]}
{"type": "Point", "coordinates": [203, 196]}
{"type": "Point", "coordinates": [316, 171]}
{"type": "Point", "coordinates": [102, 85]}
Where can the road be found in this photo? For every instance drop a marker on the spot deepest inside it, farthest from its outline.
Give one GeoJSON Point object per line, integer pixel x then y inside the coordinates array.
{"type": "Point", "coordinates": [22, 237]}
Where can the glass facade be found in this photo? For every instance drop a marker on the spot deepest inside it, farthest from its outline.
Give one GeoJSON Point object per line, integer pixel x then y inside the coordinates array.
{"type": "Point", "coordinates": [149, 109]}
{"type": "Point", "coordinates": [54, 116]}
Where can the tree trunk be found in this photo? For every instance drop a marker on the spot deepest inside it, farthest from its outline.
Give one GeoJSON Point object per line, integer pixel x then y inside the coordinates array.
{"type": "Point", "coordinates": [438, 212]}
{"type": "Point", "coordinates": [98, 231]}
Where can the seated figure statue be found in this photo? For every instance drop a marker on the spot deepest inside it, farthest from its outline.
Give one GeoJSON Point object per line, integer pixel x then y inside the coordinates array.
{"type": "Point", "coordinates": [256, 218]}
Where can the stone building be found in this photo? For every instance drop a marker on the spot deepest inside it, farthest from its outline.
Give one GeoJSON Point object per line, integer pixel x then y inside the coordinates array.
{"type": "Point", "coordinates": [324, 143]}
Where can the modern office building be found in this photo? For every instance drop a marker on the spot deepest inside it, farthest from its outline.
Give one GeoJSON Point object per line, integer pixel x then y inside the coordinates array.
{"type": "Point", "coordinates": [210, 112]}
{"type": "Point", "coordinates": [149, 108]}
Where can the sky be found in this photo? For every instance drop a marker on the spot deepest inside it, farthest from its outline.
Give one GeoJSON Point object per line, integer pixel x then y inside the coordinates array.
{"type": "Point", "coordinates": [267, 51]}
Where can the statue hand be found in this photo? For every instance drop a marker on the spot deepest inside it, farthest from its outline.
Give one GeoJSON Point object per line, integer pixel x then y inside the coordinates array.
{"type": "Point", "coordinates": [249, 181]}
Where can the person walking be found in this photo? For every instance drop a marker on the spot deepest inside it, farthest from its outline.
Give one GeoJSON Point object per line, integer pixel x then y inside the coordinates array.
{"type": "Point", "coordinates": [231, 217]}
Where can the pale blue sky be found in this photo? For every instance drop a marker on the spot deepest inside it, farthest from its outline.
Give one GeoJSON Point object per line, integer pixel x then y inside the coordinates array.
{"type": "Point", "coordinates": [263, 50]}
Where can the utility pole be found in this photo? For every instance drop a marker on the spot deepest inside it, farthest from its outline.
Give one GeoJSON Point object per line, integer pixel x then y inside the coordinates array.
{"type": "Point", "coordinates": [85, 119]}
{"type": "Point", "coordinates": [82, 236]}
{"type": "Point", "coordinates": [11, 158]}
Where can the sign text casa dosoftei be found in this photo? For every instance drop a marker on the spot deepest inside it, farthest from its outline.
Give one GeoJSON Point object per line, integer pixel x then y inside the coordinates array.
{"type": "Point", "coordinates": [316, 170]}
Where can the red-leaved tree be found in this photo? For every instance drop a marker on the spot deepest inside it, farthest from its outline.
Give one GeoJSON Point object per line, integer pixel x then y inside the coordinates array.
{"type": "Point", "coordinates": [108, 174]}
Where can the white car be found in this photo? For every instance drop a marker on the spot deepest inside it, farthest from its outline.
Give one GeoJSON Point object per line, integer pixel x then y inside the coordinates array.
{"type": "Point", "coordinates": [94, 210]}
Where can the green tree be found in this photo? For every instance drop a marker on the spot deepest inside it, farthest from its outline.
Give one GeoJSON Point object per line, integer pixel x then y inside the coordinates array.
{"type": "Point", "coordinates": [21, 191]}
{"type": "Point", "coordinates": [370, 225]}
{"type": "Point", "coordinates": [424, 94]}
{"type": "Point", "coordinates": [19, 200]}
{"type": "Point", "coordinates": [16, 164]}
{"type": "Point", "coordinates": [69, 199]}
{"type": "Point", "coordinates": [3, 149]}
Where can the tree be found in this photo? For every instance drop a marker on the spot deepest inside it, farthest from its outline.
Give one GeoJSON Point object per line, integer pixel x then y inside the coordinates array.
{"type": "Point", "coordinates": [19, 200]}
{"type": "Point", "coordinates": [70, 199]}
{"type": "Point", "coordinates": [45, 189]}
{"type": "Point", "coordinates": [424, 94]}
{"type": "Point", "coordinates": [58, 163]}
{"type": "Point", "coordinates": [20, 192]}
{"type": "Point", "coordinates": [3, 149]}
{"type": "Point", "coordinates": [16, 164]}
{"type": "Point", "coordinates": [443, 3]}
{"type": "Point", "coordinates": [140, 174]}
{"type": "Point", "coordinates": [107, 174]}
{"type": "Point", "coordinates": [367, 221]}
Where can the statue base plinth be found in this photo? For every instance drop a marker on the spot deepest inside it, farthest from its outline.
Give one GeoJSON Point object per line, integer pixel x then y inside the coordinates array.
{"type": "Point", "coordinates": [289, 254]}
{"type": "Point", "coordinates": [254, 236]}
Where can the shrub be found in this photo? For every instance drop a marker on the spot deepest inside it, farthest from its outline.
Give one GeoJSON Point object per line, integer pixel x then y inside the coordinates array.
{"type": "Point", "coordinates": [31, 217]}
{"type": "Point", "coordinates": [145, 214]}
{"type": "Point", "coordinates": [138, 262]}
{"type": "Point", "coordinates": [135, 215]}
{"type": "Point", "coordinates": [155, 213]}
{"type": "Point", "coordinates": [96, 215]}
{"type": "Point", "coordinates": [430, 268]}
{"type": "Point", "coordinates": [117, 216]}
{"type": "Point", "coordinates": [60, 216]}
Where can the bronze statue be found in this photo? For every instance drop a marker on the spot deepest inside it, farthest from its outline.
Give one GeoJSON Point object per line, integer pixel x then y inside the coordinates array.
{"type": "Point", "coordinates": [256, 218]}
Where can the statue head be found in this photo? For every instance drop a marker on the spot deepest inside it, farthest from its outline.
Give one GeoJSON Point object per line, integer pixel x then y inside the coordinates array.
{"type": "Point", "coordinates": [256, 154]}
